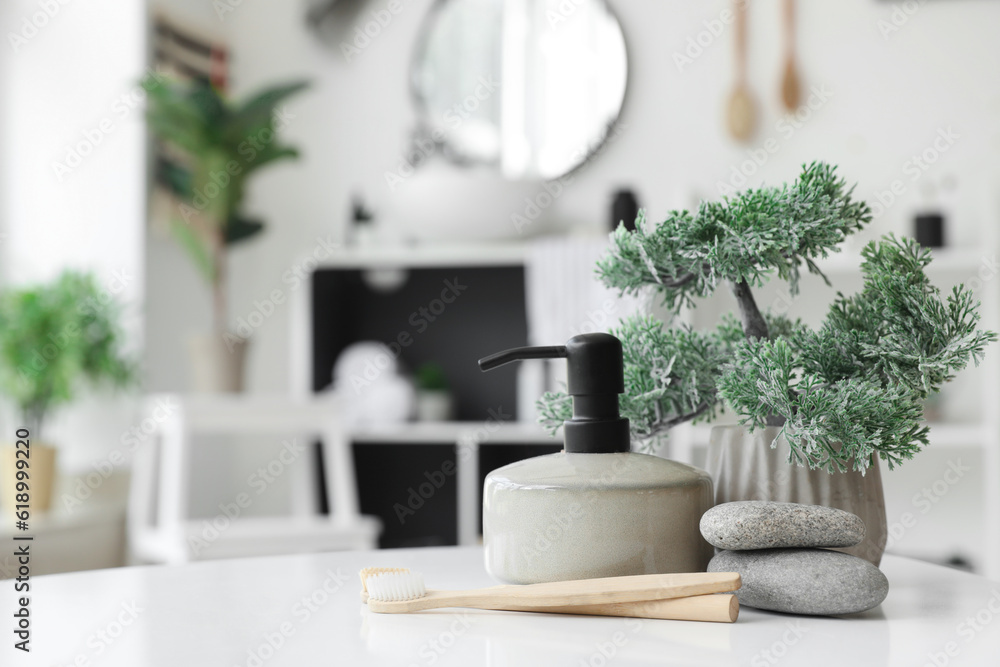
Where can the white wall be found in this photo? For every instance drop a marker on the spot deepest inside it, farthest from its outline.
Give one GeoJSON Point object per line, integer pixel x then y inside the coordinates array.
{"type": "Point", "coordinates": [888, 98]}
{"type": "Point", "coordinates": [70, 75]}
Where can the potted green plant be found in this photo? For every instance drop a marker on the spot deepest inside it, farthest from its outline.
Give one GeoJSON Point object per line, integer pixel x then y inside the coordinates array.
{"type": "Point", "coordinates": [817, 408]}
{"type": "Point", "coordinates": [434, 401]}
{"type": "Point", "coordinates": [211, 147]}
{"type": "Point", "coordinates": [54, 338]}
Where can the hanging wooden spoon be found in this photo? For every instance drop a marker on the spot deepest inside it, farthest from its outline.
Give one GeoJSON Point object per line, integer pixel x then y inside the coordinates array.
{"type": "Point", "coordinates": [791, 91]}
{"type": "Point", "coordinates": [741, 112]}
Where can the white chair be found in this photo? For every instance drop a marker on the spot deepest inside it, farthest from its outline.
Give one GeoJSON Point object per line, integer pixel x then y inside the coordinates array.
{"type": "Point", "coordinates": [159, 528]}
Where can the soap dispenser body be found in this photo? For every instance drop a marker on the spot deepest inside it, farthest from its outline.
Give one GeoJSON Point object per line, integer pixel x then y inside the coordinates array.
{"type": "Point", "coordinates": [595, 509]}
{"type": "Point", "coordinates": [579, 516]}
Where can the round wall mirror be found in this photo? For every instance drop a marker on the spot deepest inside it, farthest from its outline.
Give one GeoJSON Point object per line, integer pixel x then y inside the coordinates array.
{"type": "Point", "coordinates": [529, 86]}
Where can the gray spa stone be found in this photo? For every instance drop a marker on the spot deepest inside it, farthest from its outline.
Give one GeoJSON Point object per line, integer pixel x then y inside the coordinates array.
{"type": "Point", "coordinates": [758, 524]}
{"type": "Point", "coordinates": [804, 581]}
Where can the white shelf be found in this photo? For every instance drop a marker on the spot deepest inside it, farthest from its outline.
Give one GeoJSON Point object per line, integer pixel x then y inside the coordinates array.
{"type": "Point", "coordinates": [483, 433]}
{"type": "Point", "coordinates": [438, 255]}
{"type": "Point", "coordinates": [501, 253]}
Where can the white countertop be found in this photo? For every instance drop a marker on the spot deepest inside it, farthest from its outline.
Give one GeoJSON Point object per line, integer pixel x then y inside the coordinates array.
{"type": "Point", "coordinates": [229, 613]}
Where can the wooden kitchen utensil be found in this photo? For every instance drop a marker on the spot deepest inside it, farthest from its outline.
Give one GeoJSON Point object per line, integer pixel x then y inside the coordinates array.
{"type": "Point", "coordinates": [741, 111]}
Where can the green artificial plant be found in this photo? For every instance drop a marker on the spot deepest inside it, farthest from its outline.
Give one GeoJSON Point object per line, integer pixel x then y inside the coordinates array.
{"type": "Point", "coordinates": [842, 394]}
{"type": "Point", "coordinates": [431, 377]}
{"type": "Point", "coordinates": [56, 337]}
{"type": "Point", "coordinates": [214, 146]}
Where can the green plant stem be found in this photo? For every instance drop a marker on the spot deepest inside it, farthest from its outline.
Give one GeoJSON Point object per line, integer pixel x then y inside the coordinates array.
{"type": "Point", "coordinates": [219, 291]}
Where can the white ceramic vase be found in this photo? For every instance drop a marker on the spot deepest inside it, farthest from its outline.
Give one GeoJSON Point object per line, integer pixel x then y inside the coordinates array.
{"type": "Point", "coordinates": [217, 364]}
{"type": "Point", "coordinates": [744, 466]}
{"type": "Point", "coordinates": [434, 405]}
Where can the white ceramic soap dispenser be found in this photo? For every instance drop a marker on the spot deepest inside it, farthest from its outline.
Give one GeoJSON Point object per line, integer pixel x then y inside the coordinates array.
{"type": "Point", "coordinates": [594, 509]}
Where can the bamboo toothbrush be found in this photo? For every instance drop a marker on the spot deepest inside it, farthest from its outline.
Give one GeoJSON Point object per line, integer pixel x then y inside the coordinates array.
{"type": "Point", "coordinates": [404, 591]}
{"type": "Point", "coordinates": [713, 608]}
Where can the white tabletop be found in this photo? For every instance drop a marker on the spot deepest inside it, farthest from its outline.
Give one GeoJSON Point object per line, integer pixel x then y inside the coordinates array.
{"type": "Point", "coordinates": [229, 613]}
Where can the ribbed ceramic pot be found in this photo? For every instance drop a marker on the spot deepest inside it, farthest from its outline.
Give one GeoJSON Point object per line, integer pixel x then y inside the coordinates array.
{"type": "Point", "coordinates": [744, 466]}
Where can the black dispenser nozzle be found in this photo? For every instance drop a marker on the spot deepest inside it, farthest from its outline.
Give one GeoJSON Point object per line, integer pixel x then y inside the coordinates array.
{"type": "Point", "coordinates": [595, 378]}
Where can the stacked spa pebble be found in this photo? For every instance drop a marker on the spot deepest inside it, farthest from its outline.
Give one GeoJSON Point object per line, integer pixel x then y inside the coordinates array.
{"type": "Point", "coordinates": [780, 551]}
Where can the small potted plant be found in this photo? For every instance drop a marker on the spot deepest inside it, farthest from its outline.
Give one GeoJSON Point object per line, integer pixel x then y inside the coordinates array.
{"type": "Point", "coordinates": [54, 338]}
{"type": "Point", "coordinates": [211, 147]}
{"type": "Point", "coordinates": [817, 408]}
{"type": "Point", "coordinates": [433, 398]}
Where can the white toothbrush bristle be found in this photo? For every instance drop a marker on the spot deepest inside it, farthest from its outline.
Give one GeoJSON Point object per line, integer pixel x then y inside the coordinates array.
{"type": "Point", "coordinates": [396, 586]}
{"type": "Point", "coordinates": [369, 571]}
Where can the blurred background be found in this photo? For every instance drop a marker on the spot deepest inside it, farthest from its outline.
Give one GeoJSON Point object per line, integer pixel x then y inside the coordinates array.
{"type": "Point", "coordinates": [410, 185]}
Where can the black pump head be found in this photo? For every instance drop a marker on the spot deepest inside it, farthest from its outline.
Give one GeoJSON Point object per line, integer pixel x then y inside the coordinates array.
{"type": "Point", "coordinates": [595, 378]}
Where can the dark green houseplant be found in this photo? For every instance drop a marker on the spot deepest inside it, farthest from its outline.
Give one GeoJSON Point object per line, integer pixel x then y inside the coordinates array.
{"type": "Point", "coordinates": [210, 148]}
{"type": "Point", "coordinates": [54, 340]}
{"type": "Point", "coordinates": [836, 398]}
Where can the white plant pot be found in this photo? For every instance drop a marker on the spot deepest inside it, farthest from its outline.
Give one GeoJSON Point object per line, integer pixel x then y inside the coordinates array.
{"type": "Point", "coordinates": [745, 467]}
{"type": "Point", "coordinates": [434, 405]}
{"type": "Point", "coordinates": [217, 363]}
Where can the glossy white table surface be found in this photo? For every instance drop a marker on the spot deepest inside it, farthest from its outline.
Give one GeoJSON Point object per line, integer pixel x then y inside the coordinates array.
{"type": "Point", "coordinates": [228, 613]}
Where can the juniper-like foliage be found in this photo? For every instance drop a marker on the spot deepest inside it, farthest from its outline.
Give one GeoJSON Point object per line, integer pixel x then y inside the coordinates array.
{"type": "Point", "coordinates": [843, 394]}
{"type": "Point", "coordinates": [743, 240]}
{"type": "Point", "coordinates": [853, 388]}
{"type": "Point", "coordinates": [670, 375]}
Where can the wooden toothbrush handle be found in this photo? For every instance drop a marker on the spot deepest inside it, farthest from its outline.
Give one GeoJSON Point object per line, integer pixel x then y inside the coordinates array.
{"type": "Point", "coordinates": [608, 590]}
{"type": "Point", "coordinates": [720, 608]}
